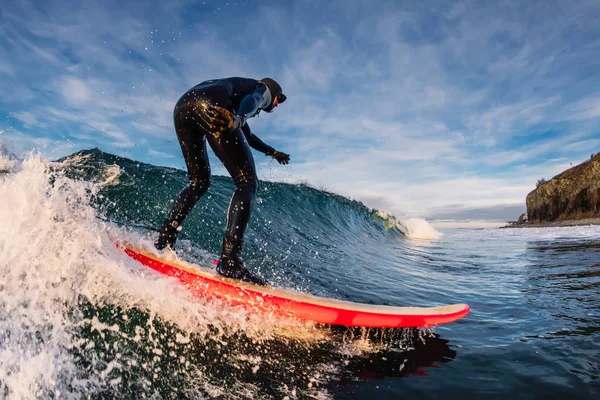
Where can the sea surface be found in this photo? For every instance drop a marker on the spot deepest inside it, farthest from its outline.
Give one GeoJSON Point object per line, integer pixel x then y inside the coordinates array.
{"type": "Point", "coordinates": [79, 319]}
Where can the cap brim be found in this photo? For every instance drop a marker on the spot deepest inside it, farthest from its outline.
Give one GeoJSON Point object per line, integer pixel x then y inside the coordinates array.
{"type": "Point", "coordinates": [281, 97]}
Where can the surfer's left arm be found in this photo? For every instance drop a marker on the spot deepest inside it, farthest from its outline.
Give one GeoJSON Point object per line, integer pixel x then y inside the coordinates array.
{"type": "Point", "coordinates": [259, 145]}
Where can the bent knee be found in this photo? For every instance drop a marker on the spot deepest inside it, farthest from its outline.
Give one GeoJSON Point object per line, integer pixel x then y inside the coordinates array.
{"type": "Point", "coordinates": [250, 185]}
{"type": "Point", "coordinates": [200, 186]}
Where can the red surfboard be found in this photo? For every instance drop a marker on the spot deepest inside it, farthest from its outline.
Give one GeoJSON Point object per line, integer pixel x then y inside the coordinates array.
{"type": "Point", "coordinates": [290, 303]}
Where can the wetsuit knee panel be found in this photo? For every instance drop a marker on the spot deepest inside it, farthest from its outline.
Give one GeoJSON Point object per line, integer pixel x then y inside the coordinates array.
{"type": "Point", "coordinates": [200, 186]}
{"type": "Point", "coordinates": [250, 185]}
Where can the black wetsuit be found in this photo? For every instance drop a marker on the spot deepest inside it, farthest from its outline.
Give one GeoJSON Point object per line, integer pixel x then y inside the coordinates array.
{"type": "Point", "coordinates": [241, 96]}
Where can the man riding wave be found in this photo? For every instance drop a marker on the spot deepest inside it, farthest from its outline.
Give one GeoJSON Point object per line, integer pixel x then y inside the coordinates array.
{"type": "Point", "coordinates": [216, 111]}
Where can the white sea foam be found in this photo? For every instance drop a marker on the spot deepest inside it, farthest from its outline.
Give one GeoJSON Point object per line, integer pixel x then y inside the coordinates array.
{"type": "Point", "coordinates": [419, 228]}
{"type": "Point", "coordinates": [414, 228]}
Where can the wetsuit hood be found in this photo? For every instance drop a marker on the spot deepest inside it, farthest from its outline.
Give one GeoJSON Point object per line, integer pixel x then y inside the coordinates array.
{"type": "Point", "coordinates": [275, 90]}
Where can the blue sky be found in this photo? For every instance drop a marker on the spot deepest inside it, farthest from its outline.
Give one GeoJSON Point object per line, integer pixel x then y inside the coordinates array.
{"type": "Point", "coordinates": [434, 109]}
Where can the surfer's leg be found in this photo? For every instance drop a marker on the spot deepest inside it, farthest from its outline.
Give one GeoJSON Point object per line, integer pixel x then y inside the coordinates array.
{"type": "Point", "coordinates": [193, 146]}
{"type": "Point", "coordinates": [235, 154]}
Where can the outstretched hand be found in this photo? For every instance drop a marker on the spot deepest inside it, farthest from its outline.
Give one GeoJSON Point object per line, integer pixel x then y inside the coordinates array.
{"type": "Point", "coordinates": [222, 120]}
{"type": "Point", "coordinates": [282, 158]}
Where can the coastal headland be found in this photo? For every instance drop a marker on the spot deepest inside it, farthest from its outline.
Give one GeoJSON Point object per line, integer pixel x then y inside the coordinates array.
{"type": "Point", "coordinates": [571, 198]}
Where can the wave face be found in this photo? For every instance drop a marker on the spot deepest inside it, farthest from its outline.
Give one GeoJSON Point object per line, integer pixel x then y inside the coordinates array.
{"type": "Point", "coordinates": [296, 232]}
{"type": "Point", "coordinates": [78, 318]}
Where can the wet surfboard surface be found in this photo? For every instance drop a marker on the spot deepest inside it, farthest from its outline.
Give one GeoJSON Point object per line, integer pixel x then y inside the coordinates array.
{"type": "Point", "coordinates": [291, 303]}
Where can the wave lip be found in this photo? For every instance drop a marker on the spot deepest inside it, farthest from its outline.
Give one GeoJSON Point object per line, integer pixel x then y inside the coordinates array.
{"type": "Point", "coordinates": [413, 228]}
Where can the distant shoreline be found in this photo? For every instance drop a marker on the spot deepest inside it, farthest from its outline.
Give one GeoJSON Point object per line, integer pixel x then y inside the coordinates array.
{"type": "Point", "coordinates": [554, 224]}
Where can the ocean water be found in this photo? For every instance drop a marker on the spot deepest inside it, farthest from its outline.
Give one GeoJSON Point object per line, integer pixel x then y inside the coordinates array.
{"type": "Point", "coordinates": [78, 319]}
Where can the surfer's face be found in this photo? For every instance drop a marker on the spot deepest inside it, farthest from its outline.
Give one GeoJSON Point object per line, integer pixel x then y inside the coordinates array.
{"type": "Point", "coordinates": [276, 101]}
{"type": "Point", "coordinates": [274, 104]}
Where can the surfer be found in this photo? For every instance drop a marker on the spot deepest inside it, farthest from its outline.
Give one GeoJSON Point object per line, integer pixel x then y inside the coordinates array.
{"type": "Point", "coordinates": [216, 111]}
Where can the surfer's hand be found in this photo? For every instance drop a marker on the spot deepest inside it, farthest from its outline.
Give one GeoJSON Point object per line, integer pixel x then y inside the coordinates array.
{"type": "Point", "coordinates": [221, 120]}
{"type": "Point", "coordinates": [282, 158]}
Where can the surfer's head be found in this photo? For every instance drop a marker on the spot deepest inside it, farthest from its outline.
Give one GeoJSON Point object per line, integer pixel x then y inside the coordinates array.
{"type": "Point", "coordinates": [277, 95]}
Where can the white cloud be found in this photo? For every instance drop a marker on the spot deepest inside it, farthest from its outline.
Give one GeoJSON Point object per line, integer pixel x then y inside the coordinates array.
{"type": "Point", "coordinates": [27, 118]}
{"type": "Point", "coordinates": [402, 109]}
{"type": "Point", "coordinates": [74, 90]}
{"type": "Point", "coordinates": [587, 108]}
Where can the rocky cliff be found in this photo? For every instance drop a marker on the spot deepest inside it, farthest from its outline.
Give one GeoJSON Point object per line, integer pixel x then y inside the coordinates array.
{"type": "Point", "coordinates": [574, 194]}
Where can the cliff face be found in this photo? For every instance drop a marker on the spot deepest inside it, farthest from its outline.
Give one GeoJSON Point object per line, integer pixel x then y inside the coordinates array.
{"type": "Point", "coordinates": [574, 194]}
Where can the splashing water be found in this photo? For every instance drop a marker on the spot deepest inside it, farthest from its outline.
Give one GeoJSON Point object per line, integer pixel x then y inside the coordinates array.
{"type": "Point", "coordinates": [420, 229]}
{"type": "Point", "coordinates": [79, 318]}
{"type": "Point", "coordinates": [8, 161]}
{"type": "Point", "coordinates": [414, 228]}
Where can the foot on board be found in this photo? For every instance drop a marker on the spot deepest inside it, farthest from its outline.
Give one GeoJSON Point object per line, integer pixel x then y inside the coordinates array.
{"type": "Point", "coordinates": [166, 239]}
{"type": "Point", "coordinates": [232, 268]}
